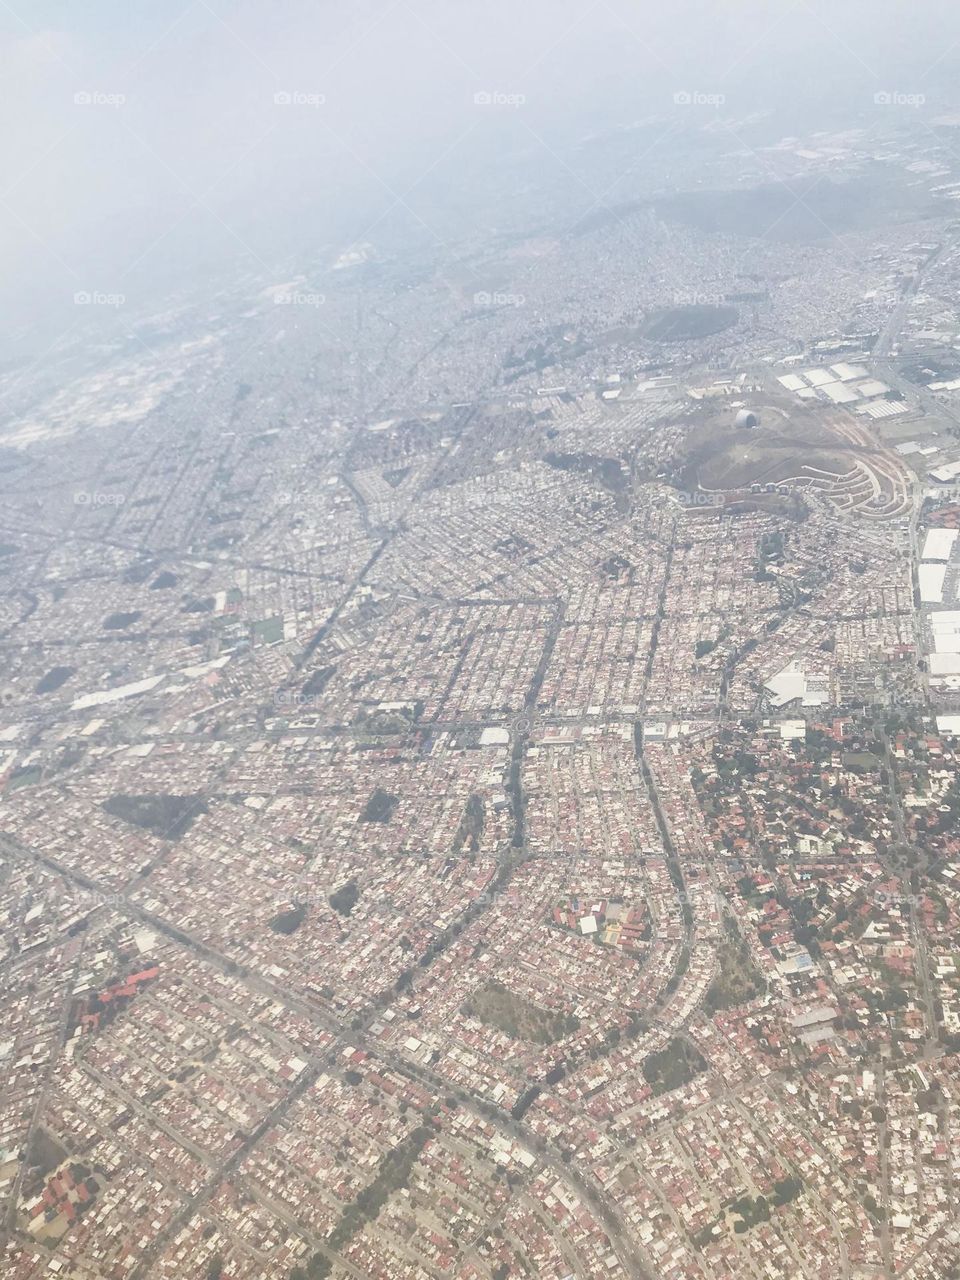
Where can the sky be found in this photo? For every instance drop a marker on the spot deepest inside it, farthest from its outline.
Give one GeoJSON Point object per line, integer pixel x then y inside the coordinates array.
{"type": "Point", "coordinates": [145, 144]}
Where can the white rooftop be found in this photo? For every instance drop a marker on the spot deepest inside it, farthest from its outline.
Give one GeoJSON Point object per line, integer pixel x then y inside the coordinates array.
{"type": "Point", "coordinates": [931, 582]}
{"type": "Point", "coordinates": [938, 544]}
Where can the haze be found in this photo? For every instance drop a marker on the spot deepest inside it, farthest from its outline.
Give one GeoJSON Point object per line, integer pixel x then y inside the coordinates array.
{"type": "Point", "coordinates": [176, 159]}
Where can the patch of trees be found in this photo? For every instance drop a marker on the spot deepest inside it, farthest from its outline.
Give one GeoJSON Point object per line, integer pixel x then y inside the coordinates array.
{"type": "Point", "coordinates": [380, 807]}
{"type": "Point", "coordinates": [345, 898]}
{"type": "Point", "coordinates": [54, 678]}
{"type": "Point", "coordinates": [287, 922]}
{"type": "Point", "coordinates": [672, 1066]}
{"type": "Point", "coordinates": [168, 817]}
{"type": "Point", "coordinates": [120, 621]}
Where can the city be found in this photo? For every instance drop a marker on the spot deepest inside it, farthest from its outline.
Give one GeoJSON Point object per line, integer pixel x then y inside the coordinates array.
{"type": "Point", "coordinates": [480, 739]}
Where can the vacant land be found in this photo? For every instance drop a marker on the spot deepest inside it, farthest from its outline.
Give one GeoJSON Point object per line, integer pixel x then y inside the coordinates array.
{"type": "Point", "coordinates": [518, 1017]}
{"type": "Point", "coordinates": [738, 979]}
{"type": "Point", "coordinates": [723, 458]}
{"type": "Point", "coordinates": [471, 824]}
{"type": "Point", "coordinates": [683, 324]}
